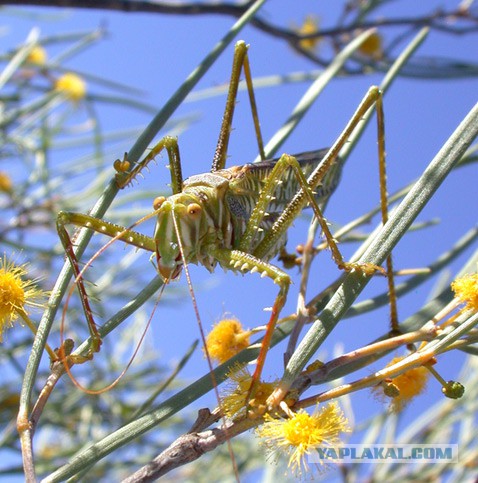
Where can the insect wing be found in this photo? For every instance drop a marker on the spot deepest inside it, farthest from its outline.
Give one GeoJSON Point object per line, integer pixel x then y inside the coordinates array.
{"type": "Point", "coordinates": [246, 181]}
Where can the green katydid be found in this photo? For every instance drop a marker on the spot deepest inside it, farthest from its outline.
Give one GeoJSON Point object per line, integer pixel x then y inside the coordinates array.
{"type": "Point", "coordinates": [236, 217]}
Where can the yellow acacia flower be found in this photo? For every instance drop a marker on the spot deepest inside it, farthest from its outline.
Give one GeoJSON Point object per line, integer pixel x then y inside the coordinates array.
{"type": "Point", "coordinates": [310, 26]}
{"type": "Point", "coordinates": [234, 402]}
{"type": "Point", "coordinates": [227, 339]}
{"type": "Point", "coordinates": [72, 86]}
{"type": "Point", "coordinates": [37, 55]}
{"type": "Point", "coordinates": [466, 290]}
{"type": "Point", "coordinates": [372, 46]}
{"type": "Point", "coordinates": [15, 293]}
{"type": "Point", "coordinates": [303, 434]}
{"type": "Point", "coordinates": [407, 385]}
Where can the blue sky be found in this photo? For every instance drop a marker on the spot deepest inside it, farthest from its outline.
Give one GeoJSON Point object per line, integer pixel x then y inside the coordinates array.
{"type": "Point", "coordinates": [155, 54]}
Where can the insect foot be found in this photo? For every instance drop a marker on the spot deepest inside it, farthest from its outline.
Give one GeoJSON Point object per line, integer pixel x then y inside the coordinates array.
{"type": "Point", "coordinates": [365, 268]}
{"type": "Point", "coordinates": [289, 260]}
{"type": "Point", "coordinates": [122, 167]}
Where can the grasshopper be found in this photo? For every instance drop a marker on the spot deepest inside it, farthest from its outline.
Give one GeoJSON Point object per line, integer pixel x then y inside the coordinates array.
{"type": "Point", "coordinates": [236, 217]}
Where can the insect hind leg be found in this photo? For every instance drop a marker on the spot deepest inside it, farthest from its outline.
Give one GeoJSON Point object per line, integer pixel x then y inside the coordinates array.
{"type": "Point", "coordinates": [373, 98]}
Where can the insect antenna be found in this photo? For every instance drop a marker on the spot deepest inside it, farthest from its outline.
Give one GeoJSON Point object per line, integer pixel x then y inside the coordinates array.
{"type": "Point", "coordinates": [203, 340]}
{"type": "Point", "coordinates": [69, 360]}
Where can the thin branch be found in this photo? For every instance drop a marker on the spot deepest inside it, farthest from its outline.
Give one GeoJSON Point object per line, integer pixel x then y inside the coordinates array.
{"type": "Point", "coordinates": [443, 20]}
{"type": "Point", "coordinates": [187, 448]}
{"type": "Point", "coordinates": [459, 21]}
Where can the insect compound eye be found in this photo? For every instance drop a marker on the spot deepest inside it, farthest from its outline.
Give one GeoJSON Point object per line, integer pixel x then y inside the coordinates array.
{"type": "Point", "coordinates": [158, 201]}
{"type": "Point", "coordinates": [194, 210]}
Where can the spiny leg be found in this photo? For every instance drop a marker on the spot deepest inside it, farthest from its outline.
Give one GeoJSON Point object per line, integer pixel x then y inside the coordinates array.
{"type": "Point", "coordinates": [124, 176]}
{"type": "Point", "coordinates": [110, 229]}
{"type": "Point", "coordinates": [245, 262]}
{"type": "Point", "coordinates": [373, 97]}
{"type": "Point", "coordinates": [287, 162]}
{"type": "Point", "coordinates": [276, 177]}
{"type": "Point", "coordinates": [299, 201]}
{"type": "Point", "coordinates": [292, 210]}
{"type": "Point", "coordinates": [266, 196]}
{"type": "Point", "coordinates": [240, 61]}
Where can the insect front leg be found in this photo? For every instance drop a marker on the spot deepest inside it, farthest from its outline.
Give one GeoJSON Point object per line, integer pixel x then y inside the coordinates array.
{"type": "Point", "coordinates": [245, 262]}
{"type": "Point", "coordinates": [110, 229]}
{"type": "Point", "coordinates": [124, 175]}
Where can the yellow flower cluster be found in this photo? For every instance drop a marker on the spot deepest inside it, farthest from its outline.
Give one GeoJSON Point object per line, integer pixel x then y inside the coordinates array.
{"type": "Point", "coordinates": [466, 290]}
{"type": "Point", "coordinates": [6, 184]}
{"type": "Point", "coordinates": [372, 46]}
{"type": "Point", "coordinates": [234, 402]}
{"type": "Point", "coordinates": [72, 86]}
{"type": "Point", "coordinates": [310, 26]}
{"type": "Point", "coordinates": [227, 339]}
{"type": "Point", "coordinates": [301, 434]}
{"type": "Point", "coordinates": [15, 293]}
{"type": "Point", "coordinates": [298, 435]}
{"type": "Point", "coordinates": [37, 56]}
{"type": "Point", "coordinates": [405, 386]}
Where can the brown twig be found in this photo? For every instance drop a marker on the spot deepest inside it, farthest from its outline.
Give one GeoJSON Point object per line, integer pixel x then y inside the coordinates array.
{"type": "Point", "coordinates": [187, 448]}
{"type": "Point", "coordinates": [441, 20]}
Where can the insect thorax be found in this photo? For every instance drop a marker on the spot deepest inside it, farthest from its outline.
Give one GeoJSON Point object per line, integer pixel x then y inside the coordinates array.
{"type": "Point", "coordinates": [227, 202]}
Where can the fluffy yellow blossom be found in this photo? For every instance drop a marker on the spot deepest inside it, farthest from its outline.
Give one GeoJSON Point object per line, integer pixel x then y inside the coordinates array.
{"type": "Point", "coordinates": [372, 46]}
{"type": "Point", "coordinates": [15, 293]}
{"type": "Point", "coordinates": [466, 290]}
{"type": "Point", "coordinates": [302, 435]}
{"type": "Point", "coordinates": [37, 56]}
{"type": "Point", "coordinates": [310, 26]}
{"type": "Point", "coordinates": [234, 402]}
{"type": "Point", "coordinates": [406, 386]}
{"type": "Point", "coordinates": [72, 86]}
{"type": "Point", "coordinates": [227, 339]}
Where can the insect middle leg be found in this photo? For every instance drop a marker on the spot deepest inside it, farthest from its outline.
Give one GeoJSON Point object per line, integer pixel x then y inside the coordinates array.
{"type": "Point", "coordinates": [240, 63]}
{"type": "Point", "coordinates": [245, 262]}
